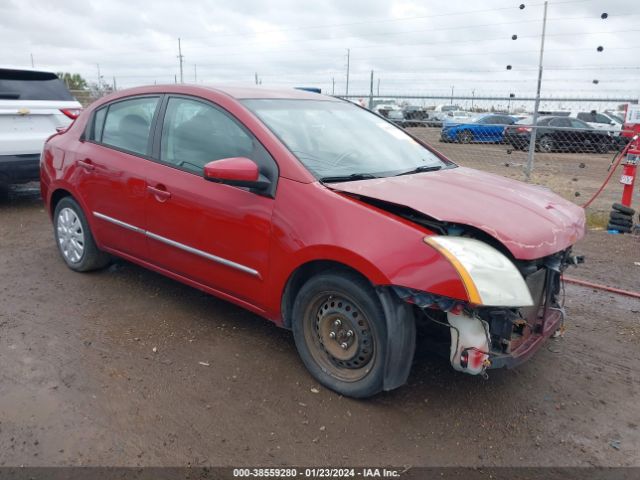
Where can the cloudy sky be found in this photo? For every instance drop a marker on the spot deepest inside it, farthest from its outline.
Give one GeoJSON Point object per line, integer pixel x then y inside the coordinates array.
{"type": "Point", "coordinates": [414, 47]}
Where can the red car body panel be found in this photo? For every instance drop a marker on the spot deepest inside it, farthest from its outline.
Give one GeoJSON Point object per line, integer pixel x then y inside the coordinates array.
{"type": "Point", "coordinates": [536, 223]}
{"type": "Point", "coordinates": [160, 207]}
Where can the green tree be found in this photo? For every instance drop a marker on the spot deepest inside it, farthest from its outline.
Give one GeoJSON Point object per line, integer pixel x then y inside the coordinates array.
{"type": "Point", "coordinates": [73, 81]}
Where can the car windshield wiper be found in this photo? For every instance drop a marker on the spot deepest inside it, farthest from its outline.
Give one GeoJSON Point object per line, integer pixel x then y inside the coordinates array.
{"type": "Point", "coordinates": [347, 178]}
{"type": "Point", "coordinates": [422, 168]}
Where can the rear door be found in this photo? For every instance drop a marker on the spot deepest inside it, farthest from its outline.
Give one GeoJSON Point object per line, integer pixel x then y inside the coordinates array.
{"type": "Point", "coordinates": [491, 129]}
{"type": "Point", "coordinates": [591, 138]}
{"type": "Point", "coordinates": [563, 136]}
{"type": "Point", "coordinates": [110, 169]}
{"type": "Point", "coordinates": [214, 234]}
{"type": "Point", "coordinates": [32, 106]}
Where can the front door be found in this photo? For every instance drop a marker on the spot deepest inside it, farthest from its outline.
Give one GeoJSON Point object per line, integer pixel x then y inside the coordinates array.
{"type": "Point", "coordinates": [214, 234]}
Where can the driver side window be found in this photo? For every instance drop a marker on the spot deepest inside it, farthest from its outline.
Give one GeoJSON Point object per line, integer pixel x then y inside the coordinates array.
{"type": "Point", "coordinates": [195, 133]}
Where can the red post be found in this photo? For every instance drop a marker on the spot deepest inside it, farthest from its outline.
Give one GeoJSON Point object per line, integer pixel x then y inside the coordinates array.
{"type": "Point", "coordinates": [628, 177]}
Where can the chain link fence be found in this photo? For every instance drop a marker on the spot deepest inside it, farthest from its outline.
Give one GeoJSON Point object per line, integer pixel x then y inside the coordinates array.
{"type": "Point", "coordinates": [571, 156]}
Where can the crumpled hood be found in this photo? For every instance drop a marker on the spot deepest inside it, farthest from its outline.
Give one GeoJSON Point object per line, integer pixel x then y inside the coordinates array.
{"type": "Point", "coordinates": [531, 221]}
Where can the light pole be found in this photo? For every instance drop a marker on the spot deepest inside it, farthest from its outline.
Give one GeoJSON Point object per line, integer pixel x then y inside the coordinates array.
{"type": "Point", "coordinates": [534, 131]}
{"type": "Point", "coordinates": [348, 60]}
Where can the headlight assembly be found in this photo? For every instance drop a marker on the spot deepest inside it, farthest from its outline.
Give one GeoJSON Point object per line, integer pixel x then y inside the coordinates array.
{"type": "Point", "coordinates": [489, 277]}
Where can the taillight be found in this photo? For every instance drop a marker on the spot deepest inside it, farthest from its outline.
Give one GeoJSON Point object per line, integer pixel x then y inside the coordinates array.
{"type": "Point", "coordinates": [72, 113]}
{"type": "Point", "coordinates": [523, 129]}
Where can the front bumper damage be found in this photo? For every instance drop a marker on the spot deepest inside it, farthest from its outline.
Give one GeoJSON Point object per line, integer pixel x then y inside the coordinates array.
{"type": "Point", "coordinates": [484, 337]}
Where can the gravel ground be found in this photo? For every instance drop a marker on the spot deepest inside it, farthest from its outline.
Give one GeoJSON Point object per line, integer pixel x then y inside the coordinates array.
{"type": "Point", "coordinates": [125, 367]}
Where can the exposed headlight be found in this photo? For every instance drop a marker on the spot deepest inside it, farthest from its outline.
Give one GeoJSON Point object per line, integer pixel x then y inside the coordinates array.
{"type": "Point", "coordinates": [489, 277]}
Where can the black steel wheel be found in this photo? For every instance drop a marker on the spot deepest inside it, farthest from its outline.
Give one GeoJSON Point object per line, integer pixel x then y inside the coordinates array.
{"type": "Point", "coordinates": [340, 332]}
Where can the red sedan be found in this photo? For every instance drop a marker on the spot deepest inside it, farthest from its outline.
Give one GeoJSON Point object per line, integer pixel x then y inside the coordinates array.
{"type": "Point", "coordinates": [320, 216]}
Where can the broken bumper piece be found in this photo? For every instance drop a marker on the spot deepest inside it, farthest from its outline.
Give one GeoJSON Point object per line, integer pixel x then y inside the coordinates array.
{"type": "Point", "coordinates": [552, 321]}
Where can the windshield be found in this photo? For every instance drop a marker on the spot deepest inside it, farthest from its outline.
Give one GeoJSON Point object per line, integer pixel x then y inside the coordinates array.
{"type": "Point", "coordinates": [615, 118]}
{"type": "Point", "coordinates": [338, 139]}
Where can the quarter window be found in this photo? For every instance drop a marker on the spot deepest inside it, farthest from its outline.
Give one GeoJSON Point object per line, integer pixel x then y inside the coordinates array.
{"type": "Point", "coordinates": [195, 133]}
{"type": "Point", "coordinates": [98, 124]}
{"type": "Point", "coordinates": [128, 123]}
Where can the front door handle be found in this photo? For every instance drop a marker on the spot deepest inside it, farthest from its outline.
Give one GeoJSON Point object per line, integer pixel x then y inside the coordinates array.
{"type": "Point", "coordinates": [161, 194]}
{"type": "Point", "coordinates": [86, 164]}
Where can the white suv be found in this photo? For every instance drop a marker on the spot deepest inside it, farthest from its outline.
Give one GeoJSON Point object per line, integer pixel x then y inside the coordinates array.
{"type": "Point", "coordinates": [600, 121]}
{"type": "Point", "coordinates": [33, 104]}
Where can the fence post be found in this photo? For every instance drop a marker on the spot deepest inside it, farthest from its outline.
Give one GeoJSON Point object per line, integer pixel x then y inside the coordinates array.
{"type": "Point", "coordinates": [371, 92]}
{"type": "Point", "coordinates": [534, 130]}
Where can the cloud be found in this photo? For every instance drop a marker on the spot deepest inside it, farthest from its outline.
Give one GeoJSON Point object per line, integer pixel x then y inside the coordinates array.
{"type": "Point", "coordinates": [412, 46]}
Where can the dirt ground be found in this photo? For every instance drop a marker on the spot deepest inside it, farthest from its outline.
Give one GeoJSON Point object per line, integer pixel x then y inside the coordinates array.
{"type": "Point", "coordinates": [80, 383]}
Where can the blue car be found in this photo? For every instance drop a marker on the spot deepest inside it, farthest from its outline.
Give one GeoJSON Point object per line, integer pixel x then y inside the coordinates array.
{"type": "Point", "coordinates": [487, 128]}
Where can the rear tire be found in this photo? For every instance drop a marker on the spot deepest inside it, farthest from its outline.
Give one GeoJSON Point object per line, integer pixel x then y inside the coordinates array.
{"type": "Point", "coordinates": [340, 332]}
{"type": "Point", "coordinates": [4, 192]}
{"type": "Point", "coordinates": [546, 144]}
{"type": "Point", "coordinates": [603, 147]}
{"type": "Point", "coordinates": [74, 238]}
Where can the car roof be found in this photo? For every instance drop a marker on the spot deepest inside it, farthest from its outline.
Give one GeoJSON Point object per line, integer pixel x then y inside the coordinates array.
{"type": "Point", "coordinates": [238, 92]}
{"type": "Point", "coordinates": [241, 92]}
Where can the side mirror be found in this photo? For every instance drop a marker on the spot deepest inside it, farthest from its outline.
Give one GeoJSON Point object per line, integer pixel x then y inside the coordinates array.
{"type": "Point", "coordinates": [236, 171]}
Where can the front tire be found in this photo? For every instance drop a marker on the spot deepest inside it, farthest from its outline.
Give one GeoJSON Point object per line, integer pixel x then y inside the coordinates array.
{"type": "Point", "coordinates": [340, 332]}
{"type": "Point", "coordinates": [465, 136]}
{"type": "Point", "coordinates": [74, 239]}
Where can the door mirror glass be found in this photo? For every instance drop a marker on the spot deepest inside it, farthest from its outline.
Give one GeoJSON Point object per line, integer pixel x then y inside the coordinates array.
{"type": "Point", "coordinates": [236, 171]}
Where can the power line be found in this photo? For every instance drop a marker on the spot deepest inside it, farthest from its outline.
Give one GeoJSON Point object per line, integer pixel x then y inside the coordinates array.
{"type": "Point", "coordinates": [390, 20]}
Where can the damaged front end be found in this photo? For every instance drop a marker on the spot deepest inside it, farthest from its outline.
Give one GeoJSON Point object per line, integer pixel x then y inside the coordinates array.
{"type": "Point", "coordinates": [481, 336]}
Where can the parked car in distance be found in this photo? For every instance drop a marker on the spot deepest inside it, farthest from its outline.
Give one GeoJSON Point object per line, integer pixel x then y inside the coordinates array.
{"type": "Point", "coordinates": [406, 118]}
{"type": "Point", "coordinates": [382, 106]}
{"type": "Point", "coordinates": [346, 237]}
{"type": "Point", "coordinates": [559, 134]}
{"type": "Point", "coordinates": [599, 121]}
{"type": "Point", "coordinates": [437, 116]}
{"type": "Point", "coordinates": [33, 104]}
{"type": "Point", "coordinates": [481, 128]}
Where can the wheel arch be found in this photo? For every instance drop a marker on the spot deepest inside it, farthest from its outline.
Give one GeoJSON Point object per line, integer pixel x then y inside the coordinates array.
{"type": "Point", "coordinates": [299, 277]}
{"type": "Point", "coordinates": [57, 195]}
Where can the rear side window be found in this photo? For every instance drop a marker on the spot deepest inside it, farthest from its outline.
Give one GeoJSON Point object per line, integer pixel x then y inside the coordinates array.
{"type": "Point", "coordinates": [98, 124]}
{"type": "Point", "coordinates": [578, 124]}
{"type": "Point", "coordinates": [128, 123]}
{"type": "Point", "coordinates": [586, 117]}
{"type": "Point", "coordinates": [27, 85]}
{"type": "Point", "coordinates": [195, 133]}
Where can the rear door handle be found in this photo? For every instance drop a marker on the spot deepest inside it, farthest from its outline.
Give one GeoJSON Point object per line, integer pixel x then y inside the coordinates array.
{"type": "Point", "coordinates": [86, 164]}
{"type": "Point", "coordinates": [161, 193]}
